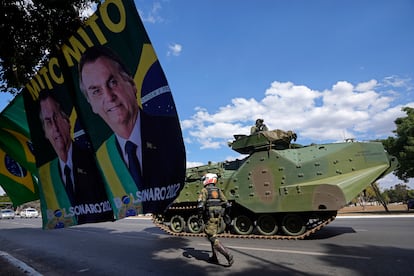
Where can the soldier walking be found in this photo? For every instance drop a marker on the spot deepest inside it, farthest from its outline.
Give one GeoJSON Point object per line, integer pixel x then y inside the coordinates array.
{"type": "Point", "coordinates": [211, 205]}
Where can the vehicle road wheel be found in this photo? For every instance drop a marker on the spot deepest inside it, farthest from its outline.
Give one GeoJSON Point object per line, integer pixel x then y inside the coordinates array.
{"type": "Point", "coordinates": [267, 225]}
{"type": "Point", "coordinates": [293, 225]}
{"type": "Point", "coordinates": [194, 225]}
{"type": "Point", "coordinates": [177, 224]}
{"type": "Point", "coordinates": [243, 225]}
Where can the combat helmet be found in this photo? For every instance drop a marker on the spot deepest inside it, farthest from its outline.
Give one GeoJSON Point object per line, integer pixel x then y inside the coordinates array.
{"type": "Point", "coordinates": [209, 178]}
{"type": "Point", "coordinates": [259, 121]}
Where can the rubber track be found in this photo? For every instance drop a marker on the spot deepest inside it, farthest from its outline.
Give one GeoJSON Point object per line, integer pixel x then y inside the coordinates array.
{"type": "Point", "coordinates": [167, 229]}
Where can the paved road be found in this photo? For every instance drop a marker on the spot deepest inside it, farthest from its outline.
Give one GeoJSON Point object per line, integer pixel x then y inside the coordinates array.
{"type": "Point", "coordinates": [348, 246]}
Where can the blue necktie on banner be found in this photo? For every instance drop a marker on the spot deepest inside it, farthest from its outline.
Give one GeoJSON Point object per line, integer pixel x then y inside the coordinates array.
{"type": "Point", "coordinates": [69, 185]}
{"type": "Point", "coordinates": [133, 163]}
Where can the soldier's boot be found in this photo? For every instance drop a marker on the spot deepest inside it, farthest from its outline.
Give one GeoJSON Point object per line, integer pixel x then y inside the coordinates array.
{"type": "Point", "coordinates": [220, 248]}
{"type": "Point", "coordinates": [213, 259]}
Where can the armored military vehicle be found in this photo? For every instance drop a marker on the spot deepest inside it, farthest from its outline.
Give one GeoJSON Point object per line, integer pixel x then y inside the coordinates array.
{"type": "Point", "coordinates": [281, 189]}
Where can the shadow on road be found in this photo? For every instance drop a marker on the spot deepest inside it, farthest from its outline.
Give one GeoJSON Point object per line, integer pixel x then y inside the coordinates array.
{"type": "Point", "coordinates": [330, 232]}
{"type": "Point", "coordinates": [370, 260]}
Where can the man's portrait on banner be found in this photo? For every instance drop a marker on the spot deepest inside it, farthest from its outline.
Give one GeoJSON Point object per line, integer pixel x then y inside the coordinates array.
{"type": "Point", "coordinates": [74, 175]}
{"type": "Point", "coordinates": [149, 147]}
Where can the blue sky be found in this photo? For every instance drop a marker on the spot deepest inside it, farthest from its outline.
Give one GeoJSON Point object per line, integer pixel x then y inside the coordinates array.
{"type": "Point", "coordinates": [327, 70]}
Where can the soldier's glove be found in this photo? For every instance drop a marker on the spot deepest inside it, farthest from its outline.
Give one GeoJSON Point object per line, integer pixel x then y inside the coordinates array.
{"type": "Point", "coordinates": [227, 207]}
{"type": "Point", "coordinates": [200, 216]}
{"type": "Point", "coordinates": [226, 216]}
{"type": "Point", "coordinates": [227, 219]}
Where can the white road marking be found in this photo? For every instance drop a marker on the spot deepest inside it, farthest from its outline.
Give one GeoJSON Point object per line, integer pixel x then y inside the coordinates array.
{"type": "Point", "coordinates": [376, 216]}
{"type": "Point", "coordinates": [293, 252]}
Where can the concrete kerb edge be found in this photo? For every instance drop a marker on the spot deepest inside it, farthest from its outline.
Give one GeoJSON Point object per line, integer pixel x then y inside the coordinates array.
{"type": "Point", "coordinates": [19, 264]}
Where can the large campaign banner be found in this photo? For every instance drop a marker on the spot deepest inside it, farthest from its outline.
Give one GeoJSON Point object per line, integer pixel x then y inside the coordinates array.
{"type": "Point", "coordinates": [102, 118]}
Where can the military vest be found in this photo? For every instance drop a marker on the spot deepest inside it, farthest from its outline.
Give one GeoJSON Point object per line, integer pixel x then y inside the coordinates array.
{"type": "Point", "coordinates": [213, 196]}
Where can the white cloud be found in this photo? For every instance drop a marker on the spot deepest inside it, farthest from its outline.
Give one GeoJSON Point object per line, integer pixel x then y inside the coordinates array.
{"type": "Point", "coordinates": [286, 94]}
{"type": "Point", "coordinates": [153, 15]}
{"type": "Point", "coordinates": [364, 86]}
{"type": "Point", "coordinates": [395, 81]}
{"type": "Point", "coordinates": [364, 111]}
{"type": "Point", "coordinates": [194, 164]}
{"type": "Point", "coordinates": [174, 49]}
{"type": "Point", "coordinates": [390, 180]}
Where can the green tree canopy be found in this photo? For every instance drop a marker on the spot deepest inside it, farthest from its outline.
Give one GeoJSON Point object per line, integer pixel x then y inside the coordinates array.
{"type": "Point", "coordinates": [399, 193]}
{"type": "Point", "coordinates": [402, 146]}
{"type": "Point", "coordinates": [30, 32]}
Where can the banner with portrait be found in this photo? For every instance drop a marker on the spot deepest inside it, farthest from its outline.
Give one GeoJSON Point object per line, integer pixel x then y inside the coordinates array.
{"type": "Point", "coordinates": [104, 126]}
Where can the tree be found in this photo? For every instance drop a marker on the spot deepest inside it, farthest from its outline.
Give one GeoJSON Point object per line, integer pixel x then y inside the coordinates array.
{"type": "Point", "coordinates": [385, 197]}
{"type": "Point", "coordinates": [3, 82]}
{"type": "Point", "coordinates": [410, 194]}
{"type": "Point", "coordinates": [369, 194]}
{"type": "Point", "coordinates": [398, 193]}
{"type": "Point", "coordinates": [30, 32]}
{"type": "Point", "coordinates": [402, 146]}
{"type": "Point", "coordinates": [4, 198]}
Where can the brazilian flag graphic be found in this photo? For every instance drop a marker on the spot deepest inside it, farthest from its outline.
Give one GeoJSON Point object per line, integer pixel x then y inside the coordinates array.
{"type": "Point", "coordinates": [18, 172]}
{"type": "Point", "coordinates": [17, 181]}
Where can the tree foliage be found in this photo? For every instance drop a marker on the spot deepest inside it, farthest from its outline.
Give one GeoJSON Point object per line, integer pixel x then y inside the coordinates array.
{"type": "Point", "coordinates": [398, 193]}
{"type": "Point", "coordinates": [4, 198]}
{"type": "Point", "coordinates": [402, 146]}
{"type": "Point", "coordinates": [30, 32]}
{"type": "Point", "coordinates": [367, 195]}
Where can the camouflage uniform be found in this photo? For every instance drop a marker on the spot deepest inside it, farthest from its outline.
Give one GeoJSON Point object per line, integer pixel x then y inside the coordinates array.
{"type": "Point", "coordinates": [210, 204]}
{"type": "Point", "coordinates": [259, 126]}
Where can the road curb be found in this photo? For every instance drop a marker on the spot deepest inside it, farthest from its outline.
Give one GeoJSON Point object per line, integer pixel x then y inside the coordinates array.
{"type": "Point", "coordinates": [19, 265]}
